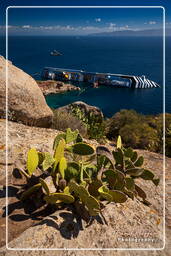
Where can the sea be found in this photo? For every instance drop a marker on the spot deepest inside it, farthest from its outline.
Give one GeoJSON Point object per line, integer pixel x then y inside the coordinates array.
{"type": "Point", "coordinates": [119, 55]}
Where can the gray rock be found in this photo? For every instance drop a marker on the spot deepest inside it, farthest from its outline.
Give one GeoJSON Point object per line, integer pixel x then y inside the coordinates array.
{"type": "Point", "coordinates": [63, 230]}
{"type": "Point", "coordinates": [26, 102]}
{"type": "Point", "coordinates": [87, 109]}
{"type": "Point", "coordinates": [20, 139]}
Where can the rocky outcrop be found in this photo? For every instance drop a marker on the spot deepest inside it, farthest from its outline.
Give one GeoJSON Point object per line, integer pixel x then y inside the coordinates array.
{"type": "Point", "coordinates": [26, 102]}
{"type": "Point", "coordinates": [63, 229]}
{"type": "Point", "coordinates": [54, 87]}
{"type": "Point", "coordinates": [87, 109]}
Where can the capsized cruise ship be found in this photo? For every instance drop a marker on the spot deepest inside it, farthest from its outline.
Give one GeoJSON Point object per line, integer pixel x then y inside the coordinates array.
{"type": "Point", "coordinates": [97, 79]}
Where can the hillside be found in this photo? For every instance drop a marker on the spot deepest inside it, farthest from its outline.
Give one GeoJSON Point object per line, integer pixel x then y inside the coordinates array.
{"type": "Point", "coordinates": [52, 231]}
{"type": "Point", "coordinates": [139, 33]}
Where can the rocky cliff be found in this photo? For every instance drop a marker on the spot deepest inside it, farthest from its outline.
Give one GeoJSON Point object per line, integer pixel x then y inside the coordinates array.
{"type": "Point", "coordinates": [54, 87]}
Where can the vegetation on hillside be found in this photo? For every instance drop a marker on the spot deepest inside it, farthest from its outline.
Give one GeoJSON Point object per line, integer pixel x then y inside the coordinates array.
{"type": "Point", "coordinates": [63, 120]}
{"type": "Point", "coordinates": [94, 123]}
{"type": "Point", "coordinates": [140, 131]}
{"type": "Point", "coordinates": [137, 130]}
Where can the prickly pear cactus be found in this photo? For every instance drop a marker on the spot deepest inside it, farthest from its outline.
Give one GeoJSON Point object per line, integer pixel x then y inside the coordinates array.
{"type": "Point", "coordinates": [77, 173]}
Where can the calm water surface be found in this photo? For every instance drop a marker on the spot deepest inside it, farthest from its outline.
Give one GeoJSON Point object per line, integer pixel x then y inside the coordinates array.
{"type": "Point", "coordinates": [136, 56]}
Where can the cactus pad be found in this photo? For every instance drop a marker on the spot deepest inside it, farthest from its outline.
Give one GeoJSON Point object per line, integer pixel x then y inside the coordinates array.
{"type": "Point", "coordinates": [129, 183]}
{"type": "Point", "coordinates": [57, 197]}
{"type": "Point", "coordinates": [71, 136]}
{"type": "Point", "coordinates": [104, 192]}
{"type": "Point", "coordinates": [117, 196]}
{"type": "Point", "coordinates": [44, 186]}
{"type": "Point", "coordinates": [48, 161]}
{"type": "Point", "coordinates": [147, 175]}
{"type": "Point", "coordinates": [134, 171]}
{"type": "Point", "coordinates": [82, 149]}
{"type": "Point", "coordinates": [139, 161]}
{"type": "Point", "coordinates": [94, 186]}
{"type": "Point", "coordinates": [30, 191]}
{"type": "Point", "coordinates": [57, 140]}
{"type": "Point", "coordinates": [59, 153]}
{"type": "Point", "coordinates": [62, 166]}
{"type": "Point", "coordinates": [32, 161]}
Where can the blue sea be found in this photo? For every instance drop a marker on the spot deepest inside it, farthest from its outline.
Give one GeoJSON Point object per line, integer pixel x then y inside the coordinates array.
{"type": "Point", "coordinates": [122, 55]}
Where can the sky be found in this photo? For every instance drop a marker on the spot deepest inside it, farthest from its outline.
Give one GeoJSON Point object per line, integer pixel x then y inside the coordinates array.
{"type": "Point", "coordinates": [82, 21]}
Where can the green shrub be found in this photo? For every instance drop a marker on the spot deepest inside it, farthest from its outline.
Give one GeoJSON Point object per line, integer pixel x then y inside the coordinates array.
{"type": "Point", "coordinates": [168, 134]}
{"type": "Point", "coordinates": [96, 178]}
{"type": "Point", "coordinates": [157, 122]}
{"type": "Point", "coordinates": [95, 123]}
{"type": "Point", "coordinates": [119, 120]}
{"type": "Point", "coordinates": [63, 120]}
{"type": "Point", "coordinates": [140, 131]}
{"type": "Point", "coordinates": [140, 135]}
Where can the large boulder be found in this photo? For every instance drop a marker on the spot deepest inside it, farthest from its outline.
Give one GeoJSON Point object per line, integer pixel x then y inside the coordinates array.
{"type": "Point", "coordinates": [26, 102]}
{"type": "Point", "coordinates": [85, 108]}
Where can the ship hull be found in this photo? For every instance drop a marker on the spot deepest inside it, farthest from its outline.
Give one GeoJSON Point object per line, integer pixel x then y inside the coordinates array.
{"type": "Point", "coordinates": [98, 79]}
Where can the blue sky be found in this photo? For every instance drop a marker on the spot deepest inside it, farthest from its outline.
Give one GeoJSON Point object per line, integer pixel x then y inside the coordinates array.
{"type": "Point", "coordinates": [38, 21]}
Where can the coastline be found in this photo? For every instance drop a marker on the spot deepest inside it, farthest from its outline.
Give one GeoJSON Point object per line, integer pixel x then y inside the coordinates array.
{"type": "Point", "coordinates": [55, 87]}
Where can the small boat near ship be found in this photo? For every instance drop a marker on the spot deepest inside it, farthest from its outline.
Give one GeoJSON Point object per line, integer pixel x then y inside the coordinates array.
{"type": "Point", "coordinates": [55, 53]}
{"type": "Point", "coordinates": [97, 79]}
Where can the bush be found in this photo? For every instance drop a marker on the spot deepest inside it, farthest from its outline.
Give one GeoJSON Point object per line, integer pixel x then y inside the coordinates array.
{"type": "Point", "coordinates": [140, 131]}
{"type": "Point", "coordinates": [95, 124]}
{"type": "Point", "coordinates": [119, 120]}
{"type": "Point", "coordinates": [159, 122]}
{"type": "Point", "coordinates": [140, 135]}
{"type": "Point", "coordinates": [63, 120]}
